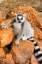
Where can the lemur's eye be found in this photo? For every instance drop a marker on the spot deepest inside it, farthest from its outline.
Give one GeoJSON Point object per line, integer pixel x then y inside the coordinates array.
{"type": "Point", "coordinates": [17, 18]}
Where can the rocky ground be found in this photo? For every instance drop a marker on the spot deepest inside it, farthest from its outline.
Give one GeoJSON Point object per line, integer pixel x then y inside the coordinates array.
{"type": "Point", "coordinates": [23, 54]}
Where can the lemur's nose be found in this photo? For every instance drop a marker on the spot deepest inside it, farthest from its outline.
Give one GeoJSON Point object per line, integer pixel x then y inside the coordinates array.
{"type": "Point", "coordinates": [19, 21]}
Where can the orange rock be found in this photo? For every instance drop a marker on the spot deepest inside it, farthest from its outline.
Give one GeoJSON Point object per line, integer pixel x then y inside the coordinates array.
{"type": "Point", "coordinates": [37, 33]}
{"type": "Point", "coordinates": [6, 61]}
{"type": "Point", "coordinates": [30, 12]}
{"type": "Point", "coordinates": [40, 35]}
{"type": "Point", "coordinates": [33, 60]}
{"type": "Point", "coordinates": [9, 58]}
{"type": "Point", "coordinates": [28, 62]}
{"type": "Point", "coordinates": [40, 23]}
{"type": "Point", "coordinates": [40, 45]}
{"type": "Point", "coordinates": [2, 53]}
{"type": "Point", "coordinates": [23, 52]}
{"type": "Point", "coordinates": [6, 37]}
{"type": "Point", "coordinates": [0, 17]}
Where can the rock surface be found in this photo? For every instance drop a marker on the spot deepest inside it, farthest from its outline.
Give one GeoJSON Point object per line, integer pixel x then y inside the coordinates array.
{"type": "Point", "coordinates": [23, 52]}
{"type": "Point", "coordinates": [0, 17]}
{"type": "Point", "coordinates": [2, 53]}
{"type": "Point", "coordinates": [33, 60]}
{"type": "Point", "coordinates": [7, 60]}
{"type": "Point", "coordinates": [40, 22]}
{"type": "Point", "coordinates": [37, 33]}
{"type": "Point", "coordinates": [6, 37]}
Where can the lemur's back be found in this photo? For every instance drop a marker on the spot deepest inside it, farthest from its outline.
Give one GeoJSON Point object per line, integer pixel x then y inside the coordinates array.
{"type": "Point", "coordinates": [28, 32]}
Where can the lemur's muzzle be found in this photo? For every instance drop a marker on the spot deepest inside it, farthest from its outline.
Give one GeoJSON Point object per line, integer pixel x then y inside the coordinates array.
{"type": "Point", "coordinates": [19, 21]}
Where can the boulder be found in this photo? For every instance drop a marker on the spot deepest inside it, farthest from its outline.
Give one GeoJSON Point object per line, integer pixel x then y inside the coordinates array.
{"type": "Point", "coordinates": [22, 53]}
{"type": "Point", "coordinates": [33, 60]}
{"type": "Point", "coordinates": [2, 53]}
{"type": "Point", "coordinates": [6, 37]}
{"type": "Point", "coordinates": [7, 60]}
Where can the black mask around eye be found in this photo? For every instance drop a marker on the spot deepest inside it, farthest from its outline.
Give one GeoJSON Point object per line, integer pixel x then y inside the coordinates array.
{"type": "Point", "coordinates": [17, 18]}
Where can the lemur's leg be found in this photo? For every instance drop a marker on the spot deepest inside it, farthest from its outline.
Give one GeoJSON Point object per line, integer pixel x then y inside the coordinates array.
{"type": "Point", "coordinates": [18, 38]}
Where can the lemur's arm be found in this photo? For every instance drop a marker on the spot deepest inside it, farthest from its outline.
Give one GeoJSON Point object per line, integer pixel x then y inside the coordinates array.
{"type": "Point", "coordinates": [9, 24]}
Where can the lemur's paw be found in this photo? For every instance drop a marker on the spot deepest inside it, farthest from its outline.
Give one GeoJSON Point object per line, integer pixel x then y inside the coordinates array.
{"type": "Point", "coordinates": [4, 27]}
{"type": "Point", "coordinates": [17, 43]}
{"type": "Point", "coordinates": [24, 38]}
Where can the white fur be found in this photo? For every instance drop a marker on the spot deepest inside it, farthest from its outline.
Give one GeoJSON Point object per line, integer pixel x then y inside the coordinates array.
{"type": "Point", "coordinates": [40, 58]}
{"type": "Point", "coordinates": [36, 47]}
{"type": "Point", "coordinates": [24, 38]}
{"type": "Point", "coordinates": [39, 52]}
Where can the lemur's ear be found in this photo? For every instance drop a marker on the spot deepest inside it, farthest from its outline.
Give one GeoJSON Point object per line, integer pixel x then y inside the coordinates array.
{"type": "Point", "coordinates": [24, 15]}
{"type": "Point", "coordinates": [15, 14]}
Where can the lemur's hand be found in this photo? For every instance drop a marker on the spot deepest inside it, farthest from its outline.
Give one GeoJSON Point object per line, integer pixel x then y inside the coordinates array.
{"type": "Point", "coordinates": [17, 42]}
{"type": "Point", "coordinates": [4, 27]}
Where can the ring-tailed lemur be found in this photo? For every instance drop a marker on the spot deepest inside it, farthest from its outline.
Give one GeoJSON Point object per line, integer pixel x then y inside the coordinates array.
{"type": "Point", "coordinates": [23, 29]}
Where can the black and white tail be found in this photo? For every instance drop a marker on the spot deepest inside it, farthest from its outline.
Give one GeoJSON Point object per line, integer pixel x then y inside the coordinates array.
{"type": "Point", "coordinates": [37, 52]}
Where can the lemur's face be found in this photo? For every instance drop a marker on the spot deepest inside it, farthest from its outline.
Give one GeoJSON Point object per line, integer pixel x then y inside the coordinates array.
{"type": "Point", "coordinates": [20, 17]}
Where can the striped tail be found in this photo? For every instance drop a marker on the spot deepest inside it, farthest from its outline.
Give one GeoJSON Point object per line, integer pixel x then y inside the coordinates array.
{"type": "Point", "coordinates": [37, 52]}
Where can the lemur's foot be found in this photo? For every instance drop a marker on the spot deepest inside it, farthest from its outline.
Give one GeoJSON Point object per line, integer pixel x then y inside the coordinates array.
{"type": "Point", "coordinates": [24, 38]}
{"type": "Point", "coordinates": [17, 43]}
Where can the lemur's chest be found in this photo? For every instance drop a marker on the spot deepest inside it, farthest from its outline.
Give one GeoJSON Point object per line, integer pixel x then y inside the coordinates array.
{"type": "Point", "coordinates": [17, 26]}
